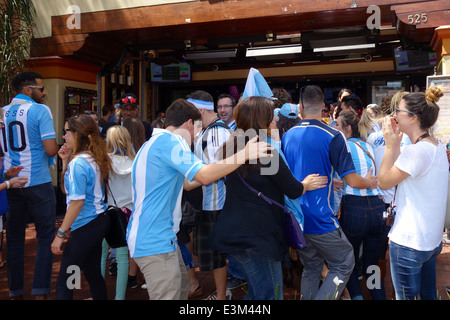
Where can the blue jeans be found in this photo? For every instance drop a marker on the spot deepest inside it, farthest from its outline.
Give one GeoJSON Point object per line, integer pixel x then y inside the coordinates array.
{"type": "Point", "coordinates": [40, 203]}
{"type": "Point", "coordinates": [233, 269]}
{"type": "Point", "coordinates": [263, 275]}
{"type": "Point", "coordinates": [362, 222]}
{"type": "Point", "coordinates": [187, 257]}
{"type": "Point", "coordinates": [413, 272]}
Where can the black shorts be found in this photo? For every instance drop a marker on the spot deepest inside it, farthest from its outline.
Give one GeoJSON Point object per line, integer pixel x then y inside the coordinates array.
{"type": "Point", "coordinates": [207, 258]}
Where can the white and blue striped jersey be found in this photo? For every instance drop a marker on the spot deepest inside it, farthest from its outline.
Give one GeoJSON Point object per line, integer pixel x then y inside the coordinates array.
{"type": "Point", "coordinates": [27, 124]}
{"type": "Point", "coordinates": [82, 181]}
{"type": "Point", "coordinates": [362, 163]}
{"type": "Point", "coordinates": [158, 174]}
{"type": "Point", "coordinates": [232, 125]}
{"type": "Point", "coordinates": [215, 192]}
{"type": "Point", "coordinates": [376, 141]}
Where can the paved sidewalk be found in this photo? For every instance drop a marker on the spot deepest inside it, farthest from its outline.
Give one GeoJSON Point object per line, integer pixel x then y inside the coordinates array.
{"type": "Point", "coordinates": [205, 278]}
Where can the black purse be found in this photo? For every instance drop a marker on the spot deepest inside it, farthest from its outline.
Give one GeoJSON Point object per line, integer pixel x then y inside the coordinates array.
{"type": "Point", "coordinates": [191, 216]}
{"type": "Point", "coordinates": [293, 234]}
{"type": "Point", "coordinates": [116, 236]}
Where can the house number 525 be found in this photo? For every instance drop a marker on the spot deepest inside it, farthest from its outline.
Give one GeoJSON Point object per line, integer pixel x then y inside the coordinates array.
{"type": "Point", "coordinates": [417, 18]}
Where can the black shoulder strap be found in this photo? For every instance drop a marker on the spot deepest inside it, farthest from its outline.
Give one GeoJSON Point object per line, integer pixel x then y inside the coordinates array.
{"type": "Point", "coordinates": [217, 123]}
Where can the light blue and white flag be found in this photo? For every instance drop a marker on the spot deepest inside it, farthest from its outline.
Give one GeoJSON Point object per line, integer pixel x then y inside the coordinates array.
{"type": "Point", "coordinates": [256, 85]}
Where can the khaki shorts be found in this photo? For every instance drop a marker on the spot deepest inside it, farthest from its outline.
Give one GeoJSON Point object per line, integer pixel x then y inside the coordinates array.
{"type": "Point", "coordinates": [165, 275]}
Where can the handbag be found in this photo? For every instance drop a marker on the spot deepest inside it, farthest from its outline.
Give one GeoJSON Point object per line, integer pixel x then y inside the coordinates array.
{"type": "Point", "coordinates": [293, 234]}
{"type": "Point", "coordinates": [190, 215]}
{"type": "Point", "coordinates": [390, 212]}
{"type": "Point", "coordinates": [117, 233]}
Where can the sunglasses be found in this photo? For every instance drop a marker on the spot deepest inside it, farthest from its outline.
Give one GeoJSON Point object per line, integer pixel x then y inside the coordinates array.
{"type": "Point", "coordinates": [407, 111]}
{"type": "Point", "coordinates": [128, 99]}
{"type": "Point", "coordinates": [65, 131]}
{"type": "Point", "coordinates": [37, 87]}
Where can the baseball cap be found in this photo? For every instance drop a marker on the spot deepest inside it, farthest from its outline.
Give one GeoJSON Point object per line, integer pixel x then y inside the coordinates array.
{"type": "Point", "coordinates": [128, 99]}
{"type": "Point", "coordinates": [289, 110]}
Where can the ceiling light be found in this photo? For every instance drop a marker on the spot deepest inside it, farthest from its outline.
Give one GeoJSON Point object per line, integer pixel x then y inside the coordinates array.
{"type": "Point", "coordinates": [273, 51]}
{"type": "Point", "coordinates": [346, 48]}
{"type": "Point", "coordinates": [211, 54]}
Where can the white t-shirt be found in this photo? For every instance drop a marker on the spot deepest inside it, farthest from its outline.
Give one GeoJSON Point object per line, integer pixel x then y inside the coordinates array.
{"type": "Point", "coordinates": [422, 197]}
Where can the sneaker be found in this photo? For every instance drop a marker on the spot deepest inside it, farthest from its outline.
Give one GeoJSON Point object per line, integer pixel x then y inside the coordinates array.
{"type": "Point", "coordinates": [144, 286]}
{"type": "Point", "coordinates": [112, 267]}
{"type": "Point", "coordinates": [213, 296]}
{"type": "Point", "coordinates": [233, 283]}
{"type": "Point", "coordinates": [132, 283]}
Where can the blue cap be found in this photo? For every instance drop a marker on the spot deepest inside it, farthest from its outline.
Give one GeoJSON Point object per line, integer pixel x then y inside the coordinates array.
{"type": "Point", "coordinates": [289, 110]}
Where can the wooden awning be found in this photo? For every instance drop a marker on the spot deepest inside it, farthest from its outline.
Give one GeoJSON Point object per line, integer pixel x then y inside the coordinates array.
{"type": "Point", "coordinates": [104, 35]}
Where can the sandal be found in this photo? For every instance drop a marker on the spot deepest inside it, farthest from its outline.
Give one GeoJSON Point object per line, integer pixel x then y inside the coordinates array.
{"type": "Point", "coordinates": [196, 293]}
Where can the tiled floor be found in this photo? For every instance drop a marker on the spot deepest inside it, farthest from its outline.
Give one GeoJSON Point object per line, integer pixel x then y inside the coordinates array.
{"type": "Point", "coordinates": [205, 278]}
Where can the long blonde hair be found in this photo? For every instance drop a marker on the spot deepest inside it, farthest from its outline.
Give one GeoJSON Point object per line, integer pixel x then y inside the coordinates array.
{"type": "Point", "coordinates": [118, 141]}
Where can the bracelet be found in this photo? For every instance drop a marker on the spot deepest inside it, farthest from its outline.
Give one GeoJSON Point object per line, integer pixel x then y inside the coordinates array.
{"type": "Point", "coordinates": [7, 184]}
{"type": "Point", "coordinates": [3, 176]}
{"type": "Point", "coordinates": [61, 233]}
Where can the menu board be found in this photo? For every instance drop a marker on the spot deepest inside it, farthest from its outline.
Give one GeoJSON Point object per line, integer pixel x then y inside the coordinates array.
{"type": "Point", "coordinates": [442, 126]}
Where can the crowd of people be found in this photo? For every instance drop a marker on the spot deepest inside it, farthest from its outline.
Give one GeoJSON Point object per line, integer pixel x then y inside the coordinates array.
{"type": "Point", "coordinates": [352, 175]}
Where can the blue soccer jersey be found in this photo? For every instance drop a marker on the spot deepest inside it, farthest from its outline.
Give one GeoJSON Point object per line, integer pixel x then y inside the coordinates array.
{"type": "Point", "coordinates": [158, 174]}
{"type": "Point", "coordinates": [82, 181]}
{"type": "Point", "coordinates": [363, 162]}
{"type": "Point", "coordinates": [314, 147]}
{"type": "Point", "coordinates": [27, 124]}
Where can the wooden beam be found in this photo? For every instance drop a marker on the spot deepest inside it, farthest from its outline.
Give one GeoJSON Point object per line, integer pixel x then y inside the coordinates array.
{"type": "Point", "coordinates": [424, 15]}
{"type": "Point", "coordinates": [187, 13]}
{"type": "Point", "coordinates": [63, 45]}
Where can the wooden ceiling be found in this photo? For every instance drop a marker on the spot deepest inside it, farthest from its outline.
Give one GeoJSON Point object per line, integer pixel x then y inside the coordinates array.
{"type": "Point", "coordinates": [105, 36]}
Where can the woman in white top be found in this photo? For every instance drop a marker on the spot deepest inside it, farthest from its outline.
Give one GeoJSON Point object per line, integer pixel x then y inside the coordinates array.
{"type": "Point", "coordinates": [118, 143]}
{"type": "Point", "coordinates": [420, 172]}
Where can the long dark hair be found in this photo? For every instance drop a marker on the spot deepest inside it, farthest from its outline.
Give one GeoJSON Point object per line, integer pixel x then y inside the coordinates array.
{"type": "Point", "coordinates": [253, 116]}
{"type": "Point", "coordinates": [136, 129]}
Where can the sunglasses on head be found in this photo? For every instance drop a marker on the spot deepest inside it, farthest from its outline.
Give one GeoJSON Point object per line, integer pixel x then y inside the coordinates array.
{"type": "Point", "coordinates": [128, 99]}
{"type": "Point", "coordinates": [37, 87]}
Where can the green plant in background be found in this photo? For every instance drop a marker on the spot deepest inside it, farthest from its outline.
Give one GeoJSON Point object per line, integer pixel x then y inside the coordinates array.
{"type": "Point", "coordinates": [16, 31]}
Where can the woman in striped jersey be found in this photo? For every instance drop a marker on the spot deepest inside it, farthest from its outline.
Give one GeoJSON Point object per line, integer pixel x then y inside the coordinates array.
{"type": "Point", "coordinates": [86, 165]}
{"type": "Point", "coordinates": [361, 212]}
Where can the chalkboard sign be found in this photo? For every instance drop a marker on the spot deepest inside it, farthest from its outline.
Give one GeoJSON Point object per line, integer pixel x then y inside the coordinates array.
{"type": "Point", "coordinates": [442, 126]}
